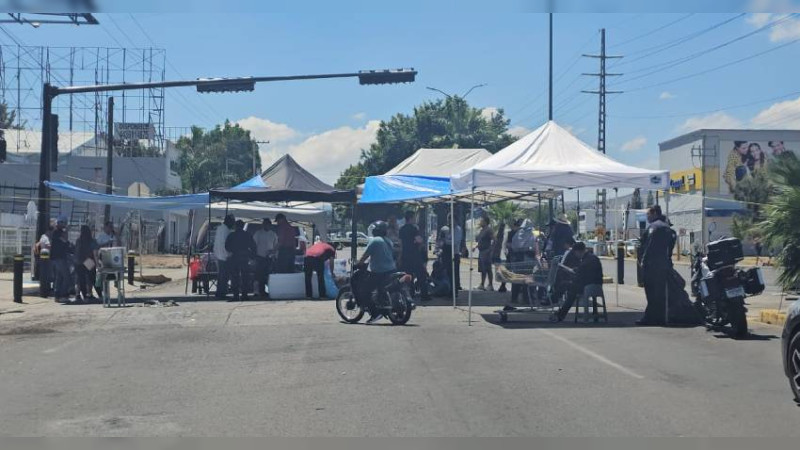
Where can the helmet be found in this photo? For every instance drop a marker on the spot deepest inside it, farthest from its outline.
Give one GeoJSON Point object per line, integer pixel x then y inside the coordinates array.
{"type": "Point", "coordinates": [379, 228]}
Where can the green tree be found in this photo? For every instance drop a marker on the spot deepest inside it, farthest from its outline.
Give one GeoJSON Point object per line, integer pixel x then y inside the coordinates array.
{"type": "Point", "coordinates": [217, 158]}
{"type": "Point", "coordinates": [504, 212]}
{"type": "Point", "coordinates": [780, 226]}
{"type": "Point", "coordinates": [7, 119]}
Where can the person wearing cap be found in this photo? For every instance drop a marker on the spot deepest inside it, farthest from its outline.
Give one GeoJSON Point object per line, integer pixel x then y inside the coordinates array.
{"type": "Point", "coordinates": [589, 272]}
{"type": "Point", "coordinates": [561, 236]}
{"type": "Point", "coordinates": [222, 254]}
{"type": "Point", "coordinates": [241, 247]}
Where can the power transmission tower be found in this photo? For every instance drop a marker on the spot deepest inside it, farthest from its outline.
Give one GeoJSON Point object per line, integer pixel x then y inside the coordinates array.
{"type": "Point", "coordinates": [601, 120]}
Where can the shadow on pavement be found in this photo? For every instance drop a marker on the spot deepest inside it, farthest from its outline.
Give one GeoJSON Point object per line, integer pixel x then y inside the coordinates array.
{"type": "Point", "coordinates": [616, 319]}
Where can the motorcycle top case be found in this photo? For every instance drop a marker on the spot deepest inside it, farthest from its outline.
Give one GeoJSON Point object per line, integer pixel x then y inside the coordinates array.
{"type": "Point", "coordinates": [724, 252]}
{"type": "Point", "coordinates": [753, 281]}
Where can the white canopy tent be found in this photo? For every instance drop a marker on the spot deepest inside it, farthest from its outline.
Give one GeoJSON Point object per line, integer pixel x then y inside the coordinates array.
{"type": "Point", "coordinates": [260, 210]}
{"type": "Point", "coordinates": [550, 157]}
{"type": "Point", "coordinates": [438, 162]}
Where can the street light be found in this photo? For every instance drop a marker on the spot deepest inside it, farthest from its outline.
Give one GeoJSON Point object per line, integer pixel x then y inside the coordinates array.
{"type": "Point", "coordinates": [451, 96]}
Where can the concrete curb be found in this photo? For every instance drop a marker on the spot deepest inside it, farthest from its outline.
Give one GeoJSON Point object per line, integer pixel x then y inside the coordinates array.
{"type": "Point", "coordinates": [771, 317]}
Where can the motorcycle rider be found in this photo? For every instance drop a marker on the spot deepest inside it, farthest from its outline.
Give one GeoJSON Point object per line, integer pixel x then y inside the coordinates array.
{"type": "Point", "coordinates": [379, 251]}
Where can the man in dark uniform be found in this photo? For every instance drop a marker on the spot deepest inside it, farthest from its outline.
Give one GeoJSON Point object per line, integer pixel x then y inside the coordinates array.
{"type": "Point", "coordinates": [242, 247]}
{"type": "Point", "coordinates": [655, 262]}
{"type": "Point", "coordinates": [411, 257]}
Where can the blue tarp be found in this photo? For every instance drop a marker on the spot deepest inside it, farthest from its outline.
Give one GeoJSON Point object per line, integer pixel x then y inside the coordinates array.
{"type": "Point", "coordinates": [173, 202]}
{"type": "Point", "coordinates": [401, 188]}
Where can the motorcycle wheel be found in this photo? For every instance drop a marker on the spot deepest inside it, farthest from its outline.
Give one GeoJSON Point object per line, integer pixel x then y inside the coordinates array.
{"type": "Point", "coordinates": [401, 308]}
{"type": "Point", "coordinates": [347, 307]}
{"type": "Point", "coordinates": [794, 366]}
{"type": "Point", "coordinates": [738, 320]}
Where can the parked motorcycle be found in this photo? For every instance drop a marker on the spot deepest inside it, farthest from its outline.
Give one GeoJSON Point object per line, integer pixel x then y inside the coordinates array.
{"type": "Point", "coordinates": [394, 300]}
{"type": "Point", "coordinates": [719, 287]}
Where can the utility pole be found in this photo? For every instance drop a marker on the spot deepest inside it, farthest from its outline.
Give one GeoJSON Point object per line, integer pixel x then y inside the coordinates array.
{"type": "Point", "coordinates": [601, 199]}
{"type": "Point", "coordinates": [550, 88]}
{"type": "Point", "coordinates": [109, 158]}
{"type": "Point", "coordinates": [255, 169]}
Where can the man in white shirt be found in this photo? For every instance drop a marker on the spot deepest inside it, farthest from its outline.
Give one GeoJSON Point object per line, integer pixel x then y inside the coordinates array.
{"type": "Point", "coordinates": [452, 245]}
{"type": "Point", "coordinates": [221, 254]}
{"type": "Point", "coordinates": [266, 247]}
{"type": "Point", "coordinates": [107, 238]}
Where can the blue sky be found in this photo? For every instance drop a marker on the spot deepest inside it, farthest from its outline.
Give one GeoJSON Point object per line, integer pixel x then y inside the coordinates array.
{"type": "Point", "coordinates": [325, 124]}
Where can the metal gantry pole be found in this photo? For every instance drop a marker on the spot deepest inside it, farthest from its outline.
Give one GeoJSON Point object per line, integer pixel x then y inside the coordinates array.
{"type": "Point", "coordinates": [109, 158]}
{"type": "Point", "coordinates": [453, 249]}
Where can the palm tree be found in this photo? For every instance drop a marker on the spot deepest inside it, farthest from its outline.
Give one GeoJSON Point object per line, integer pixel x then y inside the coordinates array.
{"type": "Point", "coordinates": [781, 225]}
{"type": "Point", "coordinates": [504, 212]}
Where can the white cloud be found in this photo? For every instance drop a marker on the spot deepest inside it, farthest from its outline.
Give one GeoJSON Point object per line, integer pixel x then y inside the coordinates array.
{"type": "Point", "coordinates": [489, 112]}
{"type": "Point", "coordinates": [718, 120]}
{"type": "Point", "coordinates": [666, 96]}
{"type": "Point", "coordinates": [782, 6]}
{"type": "Point", "coordinates": [267, 130]}
{"type": "Point", "coordinates": [574, 131]}
{"type": "Point", "coordinates": [784, 114]}
{"type": "Point", "coordinates": [787, 29]}
{"type": "Point", "coordinates": [359, 116]}
{"type": "Point", "coordinates": [328, 153]}
{"type": "Point", "coordinates": [649, 163]}
{"type": "Point", "coordinates": [634, 144]}
{"type": "Point", "coordinates": [519, 131]}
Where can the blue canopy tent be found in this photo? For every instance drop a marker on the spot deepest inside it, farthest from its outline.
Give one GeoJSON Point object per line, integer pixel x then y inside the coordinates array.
{"type": "Point", "coordinates": [171, 202]}
{"type": "Point", "coordinates": [403, 188]}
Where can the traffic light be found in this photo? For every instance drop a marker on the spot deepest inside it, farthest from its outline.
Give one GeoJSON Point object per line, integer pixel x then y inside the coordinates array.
{"type": "Point", "coordinates": [386, 76]}
{"type": "Point", "coordinates": [53, 142]}
{"type": "Point", "coordinates": [226, 84]}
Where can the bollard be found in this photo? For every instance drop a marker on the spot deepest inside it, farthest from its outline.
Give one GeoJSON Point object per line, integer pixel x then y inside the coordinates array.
{"type": "Point", "coordinates": [19, 262]}
{"type": "Point", "coordinates": [131, 262]}
{"type": "Point", "coordinates": [45, 272]}
{"type": "Point", "coordinates": [621, 262]}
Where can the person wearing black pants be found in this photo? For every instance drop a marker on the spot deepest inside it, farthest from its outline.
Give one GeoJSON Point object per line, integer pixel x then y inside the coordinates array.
{"type": "Point", "coordinates": [316, 257]}
{"type": "Point", "coordinates": [411, 259]}
{"type": "Point", "coordinates": [655, 262]}
{"type": "Point", "coordinates": [241, 246]}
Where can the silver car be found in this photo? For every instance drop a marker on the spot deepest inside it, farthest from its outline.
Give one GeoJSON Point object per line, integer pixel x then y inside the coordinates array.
{"type": "Point", "coordinates": [790, 344]}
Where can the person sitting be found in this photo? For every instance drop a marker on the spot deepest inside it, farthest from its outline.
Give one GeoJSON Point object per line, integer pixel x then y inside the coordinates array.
{"type": "Point", "coordinates": [589, 272]}
{"type": "Point", "coordinates": [381, 264]}
{"type": "Point", "coordinates": [315, 258]}
{"type": "Point", "coordinates": [241, 246]}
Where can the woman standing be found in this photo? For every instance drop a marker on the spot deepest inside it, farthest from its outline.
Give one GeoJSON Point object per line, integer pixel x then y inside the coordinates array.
{"type": "Point", "coordinates": [484, 246]}
{"type": "Point", "coordinates": [85, 264]}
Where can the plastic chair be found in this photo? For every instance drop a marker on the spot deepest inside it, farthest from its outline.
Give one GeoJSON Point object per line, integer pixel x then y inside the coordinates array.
{"type": "Point", "coordinates": [593, 293]}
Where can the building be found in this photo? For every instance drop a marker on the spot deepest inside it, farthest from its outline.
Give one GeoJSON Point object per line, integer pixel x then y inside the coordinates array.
{"type": "Point", "coordinates": [713, 162]}
{"type": "Point", "coordinates": [82, 162]}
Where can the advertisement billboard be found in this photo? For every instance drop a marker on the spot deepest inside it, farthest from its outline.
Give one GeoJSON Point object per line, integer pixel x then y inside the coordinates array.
{"type": "Point", "coordinates": [748, 162]}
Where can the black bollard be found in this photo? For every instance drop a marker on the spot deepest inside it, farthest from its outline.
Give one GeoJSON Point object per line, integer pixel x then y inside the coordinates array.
{"type": "Point", "coordinates": [131, 262]}
{"type": "Point", "coordinates": [19, 263]}
{"type": "Point", "coordinates": [621, 262]}
{"type": "Point", "coordinates": [44, 275]}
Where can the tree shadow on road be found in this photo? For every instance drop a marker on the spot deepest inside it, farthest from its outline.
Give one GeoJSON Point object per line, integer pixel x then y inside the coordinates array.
{"type": "Point", "coordinates": [517, 320]}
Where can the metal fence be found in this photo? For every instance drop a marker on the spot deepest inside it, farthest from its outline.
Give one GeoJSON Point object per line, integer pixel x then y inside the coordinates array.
{"type": "Point", "coordinates": [14, 241]}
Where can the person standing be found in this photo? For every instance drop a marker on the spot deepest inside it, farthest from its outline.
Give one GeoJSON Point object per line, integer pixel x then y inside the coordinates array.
{"type": "Point", "coordinates": [266, 245]}
{"type": "Point", "coordinates": [561, 237]}
{"type": "Point", "coordinates": [484, 246]}
{"type": "Point", "coordinates": [315, 258]}
{"type": "Point", "coordinates": [411, 254]}
{"type": "Point", "coordinates": [393, 234]}
{"type": "Point", "coordinates": [60, 255]}
{"type": "Point", "coordinates": [451, 244]}
{"type": "Point", "coordinates": [222, 255]}
{"type": "Point", "coordinates": [287, 245]}
{"type": "Point", "coordinates": [514, 255]}
{"type": "Point", "coordinates": [655, 262]}
{"type": "Point", "coordinates": [497, 250]}
{"type": "Point", "coordinates": [241, 247]}
{"type": "Point", "coordinates": [85, 264]}
{"type": "Point", "coordinates": [108, 238]}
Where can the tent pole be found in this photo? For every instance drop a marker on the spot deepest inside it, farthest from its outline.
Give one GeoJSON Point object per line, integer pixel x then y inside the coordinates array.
{"type": "Point", "coordinates": [563, 206]}
{"type": "Point", "coordinates": [208, 246]}
{"type": "Point", "coordinates": [189, 251]}
{"type": "Point", "coordinates": [472, 228]}
{"type": "Point", "coordinates": [453, 249]}
{"type": "Point", "coordinates": [353, 240]}
{"type": "Point", "coordinates": [616, 278]}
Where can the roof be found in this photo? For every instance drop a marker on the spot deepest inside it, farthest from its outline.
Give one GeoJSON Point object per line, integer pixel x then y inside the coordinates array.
{"type": "Point", "coordinates": [30, 141]}
{"type": "Point", "coordinates": [440, 162]}
{"type": "Point", "coordinates": [550, 157]}
{"type": "Point", "coordinates": [287, 181]}
{"type": "Point", "coordinates": [769, 134]}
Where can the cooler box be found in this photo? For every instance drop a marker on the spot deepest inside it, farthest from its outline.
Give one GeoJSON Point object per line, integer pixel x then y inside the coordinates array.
{"type": "Point", "coordinates": [291, 286]}
{"type": "Point", "coordinates": [113, 258]}
{"type": "Point", "coordinates": [724, 252]}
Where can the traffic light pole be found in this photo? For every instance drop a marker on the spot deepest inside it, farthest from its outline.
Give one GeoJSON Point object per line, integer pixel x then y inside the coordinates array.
{"type": "Point", "coordinates": [365, 77]}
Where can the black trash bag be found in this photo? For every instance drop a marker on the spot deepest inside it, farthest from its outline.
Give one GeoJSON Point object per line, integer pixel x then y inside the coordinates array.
{"type": "Point", "coordinates": [681, 309]}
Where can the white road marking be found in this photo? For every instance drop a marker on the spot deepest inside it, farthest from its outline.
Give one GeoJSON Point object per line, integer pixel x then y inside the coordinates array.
{"type": "Point", "coordinates": [61, 346]}
{"type": "Point", "coordinates": [594, 355]}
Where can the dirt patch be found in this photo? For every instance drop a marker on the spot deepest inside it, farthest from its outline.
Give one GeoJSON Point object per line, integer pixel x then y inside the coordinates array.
{"type": "Point", "coordinates": [162, 261]}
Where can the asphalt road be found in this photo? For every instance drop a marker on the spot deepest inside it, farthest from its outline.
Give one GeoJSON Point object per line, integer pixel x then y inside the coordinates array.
{"type": "Point", "coordinates": [292, 369]}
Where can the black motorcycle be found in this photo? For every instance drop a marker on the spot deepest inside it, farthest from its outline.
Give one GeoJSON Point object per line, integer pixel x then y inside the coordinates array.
{"type": "Point", "coordinates": [719, 287]}
{"type": "Point", "coordinates": [393, 299]}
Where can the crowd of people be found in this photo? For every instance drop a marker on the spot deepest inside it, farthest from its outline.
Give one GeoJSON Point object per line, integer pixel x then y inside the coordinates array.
{"type": "Point", "coordinates": [72, 266]}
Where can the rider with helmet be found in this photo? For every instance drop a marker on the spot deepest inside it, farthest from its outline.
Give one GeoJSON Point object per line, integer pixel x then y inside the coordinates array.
{"type": "Point", "coordinates": [381, 262]}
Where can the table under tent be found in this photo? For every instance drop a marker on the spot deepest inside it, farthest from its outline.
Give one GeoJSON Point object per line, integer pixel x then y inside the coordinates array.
{"type": "Point", "coordinates": [424, 179]}
{"type": "Point", "coordinates": [550, 157]}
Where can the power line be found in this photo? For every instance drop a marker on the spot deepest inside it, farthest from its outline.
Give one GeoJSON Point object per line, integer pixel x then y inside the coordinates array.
{"type": "Point", "coordinates": [709, 111]}
{"type": "Point", "coordinates": [634, 39]}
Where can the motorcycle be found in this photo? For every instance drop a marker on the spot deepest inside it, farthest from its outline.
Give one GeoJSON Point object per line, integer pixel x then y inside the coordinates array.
{"type": "Point", "coordinates": [393, 300]}
{"type": "Point", "coordinates": [720, 288]}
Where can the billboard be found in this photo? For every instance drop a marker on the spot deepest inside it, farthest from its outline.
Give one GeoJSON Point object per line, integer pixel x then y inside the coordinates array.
{"type": "Point", "coordinates": [747, 162]}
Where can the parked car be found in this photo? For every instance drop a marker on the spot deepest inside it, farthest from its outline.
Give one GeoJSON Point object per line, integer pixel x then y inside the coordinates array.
{"type": "Point", "coordinates": [790, 344]}
{"type": "Point", "coordinates": [630, 246]}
